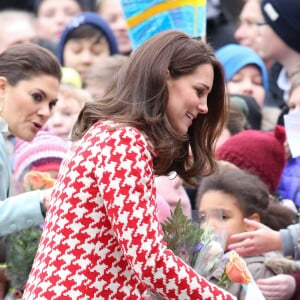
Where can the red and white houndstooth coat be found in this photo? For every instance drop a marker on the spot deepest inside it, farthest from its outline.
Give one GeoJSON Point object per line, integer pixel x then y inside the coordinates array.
{"type": "Point", "coordinates": [102, 238]}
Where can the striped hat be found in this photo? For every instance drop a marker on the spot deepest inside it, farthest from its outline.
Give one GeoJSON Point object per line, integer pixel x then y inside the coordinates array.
{"type": "Point", "coordinates": [44, 153]}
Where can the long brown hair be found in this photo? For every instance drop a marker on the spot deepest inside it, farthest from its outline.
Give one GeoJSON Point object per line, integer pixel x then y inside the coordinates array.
{"type": "Point", "coordinates": [139, 98]}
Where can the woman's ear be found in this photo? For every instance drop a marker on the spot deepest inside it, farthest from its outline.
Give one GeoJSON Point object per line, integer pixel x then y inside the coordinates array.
{"type": "Point", "coordinates": [168, 74]}
{"type": "Point", "coordinates": [253, 217]}
{"type": "Point", "coordinates": [3, 84]}
{"type": "Point", "coordinates": [169, 79]}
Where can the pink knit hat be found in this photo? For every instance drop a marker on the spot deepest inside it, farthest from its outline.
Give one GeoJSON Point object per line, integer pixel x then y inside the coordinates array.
{"type": "Point", "coordinates": [44, 153]}
{"type": "Point", "coordinates": [261, 153]}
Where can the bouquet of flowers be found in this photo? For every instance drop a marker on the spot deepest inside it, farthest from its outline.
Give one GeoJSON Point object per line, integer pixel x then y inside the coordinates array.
{"type": "Point", "coordinates": [194, 244]}
{"type": "Point", "coordinates": [236, 271]}
{"type": "Point", "coordinates": [198, 246]}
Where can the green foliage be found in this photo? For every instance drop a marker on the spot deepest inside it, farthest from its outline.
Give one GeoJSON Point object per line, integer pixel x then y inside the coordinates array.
{"type": "Point", "coordinates": [224, 280]}
{"type": "Point", "coordinates": [182, 235]}
{"type": "Point", "coordinates": [21, 250]}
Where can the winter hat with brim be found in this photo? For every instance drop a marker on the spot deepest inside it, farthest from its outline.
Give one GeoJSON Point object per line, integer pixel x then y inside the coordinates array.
{"type": "Point", "coordinates": [82, 19]}
{"type": "Point", "coordinates": [283, 16]}
{"type": "Point", "coordinates": [234, 57]}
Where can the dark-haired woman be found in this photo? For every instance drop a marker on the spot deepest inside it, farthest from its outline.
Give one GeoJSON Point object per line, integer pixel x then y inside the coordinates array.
{"type": "Point", "coordinates": [29, 81]}
{"type": "Point", "coordinates": [102, 236]}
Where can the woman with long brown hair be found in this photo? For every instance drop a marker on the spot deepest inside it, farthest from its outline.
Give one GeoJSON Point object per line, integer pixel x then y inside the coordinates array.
{"type": "Point", "coordinates": [102, 236]}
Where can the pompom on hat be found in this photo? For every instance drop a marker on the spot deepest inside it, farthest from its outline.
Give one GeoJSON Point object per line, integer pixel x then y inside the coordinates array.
{"type": "Point", "coordinates": [284, 18]}
{"type": "Point", "coordinates": [44, 153]}
{"type": "Point", "coordinates": [261, 153]}
{"type": "Point", "coordinates": [71, 76]}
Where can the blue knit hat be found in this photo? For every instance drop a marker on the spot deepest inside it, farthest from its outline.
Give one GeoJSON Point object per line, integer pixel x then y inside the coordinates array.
{"type": "Point", "coordinates": [235, 57]}
{"type": "Point", "coordinates": [82, 19]}
{"type": "Point", "coordinates": [284, 18]}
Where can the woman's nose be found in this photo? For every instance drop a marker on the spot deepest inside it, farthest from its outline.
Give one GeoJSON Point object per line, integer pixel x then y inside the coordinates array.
{"type": "Point", "coordinates": [44, 110]}
{"type": "Point", "coordinates": [202, 107]}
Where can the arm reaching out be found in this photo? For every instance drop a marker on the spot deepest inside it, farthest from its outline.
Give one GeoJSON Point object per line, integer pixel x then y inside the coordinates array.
{"type": "Point", "coordinates": [260, 240]}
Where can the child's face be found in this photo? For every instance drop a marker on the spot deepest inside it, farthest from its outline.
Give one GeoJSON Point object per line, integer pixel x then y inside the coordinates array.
{"type": "Point", "coordinates": [248, 81]}
{"type": "Point", "coordinates": [220, 212]}
{"type": "Point", "coordinates": [80, 54]}
{"type": "Point", "coordinates": [63, 117]}
{"type": "Point", "coordinates": [53, 16]}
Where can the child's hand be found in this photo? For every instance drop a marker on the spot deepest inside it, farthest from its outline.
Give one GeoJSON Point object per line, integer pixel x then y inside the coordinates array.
{"type": "Point", "coordinates": [277, 287]}
{"type": "Point", "coordinates": [262, 239]}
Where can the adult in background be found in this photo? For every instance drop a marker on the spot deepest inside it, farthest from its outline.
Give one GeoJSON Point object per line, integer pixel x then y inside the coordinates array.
{"type": "Point", "coordinates": [111, 11]}
{"type": "Point", "coordinates": [280, 28]}
{"type": "Point", "coordinates": [16, 27]}
{"type": "Point", "coordinates": [52, 17]}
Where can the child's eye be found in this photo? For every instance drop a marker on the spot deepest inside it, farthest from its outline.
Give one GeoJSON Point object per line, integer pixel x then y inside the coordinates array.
{"type": "Point", "coordinates": [202, 217]}
{"type": "Point", "coordinates": [257, 81]}
{"type": "Point", "coordinates": [225, 217]}
{"type": "Point", "coordinates": [236, 78]}
{"type": "Point", "coordinates": [67, 113]}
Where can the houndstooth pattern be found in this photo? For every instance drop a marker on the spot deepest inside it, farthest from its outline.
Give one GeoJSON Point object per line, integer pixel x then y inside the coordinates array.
{"type": "Point", "coordinates": [102, 238]}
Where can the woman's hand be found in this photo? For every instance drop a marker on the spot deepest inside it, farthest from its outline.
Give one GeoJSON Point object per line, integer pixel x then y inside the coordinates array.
{"type": "Point", "coordinates": [279, 287]}
{"type": "Point", "coordinates": [47, 197]}
{"type": "Point", "coordinates": [260, 240]}
{"type": "Point", "coordinates": [45, 200]}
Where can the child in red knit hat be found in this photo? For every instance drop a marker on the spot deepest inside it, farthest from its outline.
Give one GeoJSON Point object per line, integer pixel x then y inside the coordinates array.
{"type": "Point", "coordinates": [261, 153]}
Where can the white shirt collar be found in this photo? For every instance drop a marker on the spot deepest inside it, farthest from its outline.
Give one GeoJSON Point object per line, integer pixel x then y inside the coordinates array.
{"type": "Point", "coordinates": [284, 84]}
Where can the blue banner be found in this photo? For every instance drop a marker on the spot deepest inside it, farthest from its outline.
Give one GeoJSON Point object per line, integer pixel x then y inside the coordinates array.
{"type": "Point", "coordinates": [147, 18]}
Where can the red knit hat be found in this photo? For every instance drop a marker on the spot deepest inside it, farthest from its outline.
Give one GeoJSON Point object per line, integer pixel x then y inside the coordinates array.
{"type": "Point", "coordinates": [261, 153]}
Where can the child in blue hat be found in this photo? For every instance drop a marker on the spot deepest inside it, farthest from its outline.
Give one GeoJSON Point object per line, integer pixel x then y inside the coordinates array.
{"type": "Point", "coordinates": [85, 40]}
{"type": "Point", "coordinates": [245, 71]}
